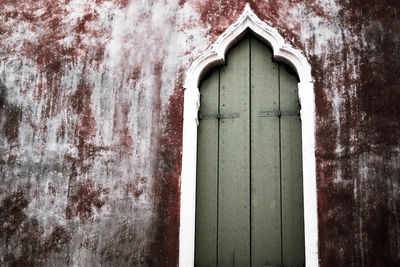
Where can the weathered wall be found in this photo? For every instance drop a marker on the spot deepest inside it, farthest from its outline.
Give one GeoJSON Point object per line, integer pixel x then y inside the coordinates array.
{"type": "Point", "coordinates": [91, 104]}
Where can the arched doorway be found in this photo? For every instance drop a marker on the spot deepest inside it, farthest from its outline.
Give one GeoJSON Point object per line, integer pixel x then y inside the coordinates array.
{"type": "Point", "coordinates": [249, 197]}
{"type": "Point", "coordinates": [215, 55]}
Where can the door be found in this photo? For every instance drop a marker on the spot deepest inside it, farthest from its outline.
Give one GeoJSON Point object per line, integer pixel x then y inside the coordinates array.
{"type": "Point", "coordinates": [249, 196]}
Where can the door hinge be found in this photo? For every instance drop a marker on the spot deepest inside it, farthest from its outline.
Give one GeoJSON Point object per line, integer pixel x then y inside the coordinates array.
{"type": "Point", "coordinates": [278, 113]}
{"type": "Point", "coordinates": [218, 116]}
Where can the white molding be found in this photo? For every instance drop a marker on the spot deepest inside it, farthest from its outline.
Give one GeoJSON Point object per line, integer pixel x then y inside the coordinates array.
{"type": "Point", "coordinates": [215, 56]}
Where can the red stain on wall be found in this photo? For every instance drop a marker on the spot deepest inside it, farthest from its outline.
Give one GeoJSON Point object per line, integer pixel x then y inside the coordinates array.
{"type": "Point", "coordinates": [11, 214]}
{"type": "Point", "coordinates": [85, 127]}
{"type": "Point", "coordinates": [360, 212]}
{"type": "Point", "coordinates": [168, 189]}
{"type": "Point", "coordinates": [86, 199]}
{"type": "Point", "coordinates": [14, 223]}
{"type": "Point", "coordinates": [56, 240]}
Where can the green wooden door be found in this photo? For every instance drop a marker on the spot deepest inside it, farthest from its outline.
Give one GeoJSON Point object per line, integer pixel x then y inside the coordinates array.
{"type": "Point", "coordinates": [249, 196]}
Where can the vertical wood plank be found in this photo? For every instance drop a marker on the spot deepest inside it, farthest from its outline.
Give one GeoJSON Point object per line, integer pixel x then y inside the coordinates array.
{"type": "Point", "coordinates": [265, 158]}
{"type": "Point", "coordinates": [291, 175]}
{"type": "Point", "coordinates": [234, 195]}
{"type": "Point", "coordinates": [207, 175]}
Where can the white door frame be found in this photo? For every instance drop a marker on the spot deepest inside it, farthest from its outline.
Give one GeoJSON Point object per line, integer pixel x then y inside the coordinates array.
{"type": "Point", "coordinates": [216, 56]}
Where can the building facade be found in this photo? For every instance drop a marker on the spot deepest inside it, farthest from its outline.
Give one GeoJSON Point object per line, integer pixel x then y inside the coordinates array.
{"type": "Point", "coordinates": [92, 110]}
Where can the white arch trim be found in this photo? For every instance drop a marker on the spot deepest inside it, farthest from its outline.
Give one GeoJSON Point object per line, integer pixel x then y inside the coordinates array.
{"type": "Point", "coordinates": [215, 56]}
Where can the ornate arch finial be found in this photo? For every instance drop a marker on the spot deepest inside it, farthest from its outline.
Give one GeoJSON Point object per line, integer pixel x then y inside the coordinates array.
{"type": "Point", "coordinates": [248, 20]}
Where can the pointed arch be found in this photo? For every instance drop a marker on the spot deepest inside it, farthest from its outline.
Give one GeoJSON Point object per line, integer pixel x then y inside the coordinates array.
{"type": "Point", "coordinates": [248, 20]}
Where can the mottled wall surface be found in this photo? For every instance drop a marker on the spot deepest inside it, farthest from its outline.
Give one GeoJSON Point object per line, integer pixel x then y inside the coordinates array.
{"type": "Point", "coordinates": [91, 100]}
